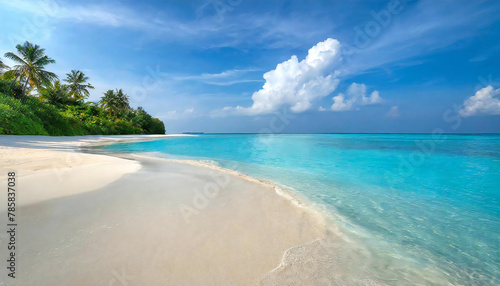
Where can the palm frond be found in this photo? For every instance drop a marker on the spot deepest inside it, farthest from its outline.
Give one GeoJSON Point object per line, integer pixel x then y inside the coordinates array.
{"type": "Point", "coordinates": [77, 83]}
{"type": "Point", "coordinates": [15, 58]}
{"type": "Point", "coordinates": [31, 60]}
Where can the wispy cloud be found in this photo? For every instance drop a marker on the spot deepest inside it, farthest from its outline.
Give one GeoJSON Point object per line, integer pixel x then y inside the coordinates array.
{"type": "Point", "coordinates": [422, 29]}
{"type": "Point", "coordinates": [113, 15]}
{"type": "Point", "coordinates": [225, 78]}
{"type": "Point", "coordinates": [176, 115]}
{"type": "Point", "coordinates": [207, 32]}
{"type": "Point", "coordinates": [393, 112]}
{"type": "Point", "coordinates": [93, 13]}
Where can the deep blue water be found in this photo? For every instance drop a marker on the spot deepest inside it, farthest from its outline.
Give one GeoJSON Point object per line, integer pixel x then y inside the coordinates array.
{"type": "Point", "coordinates": [436, 200]}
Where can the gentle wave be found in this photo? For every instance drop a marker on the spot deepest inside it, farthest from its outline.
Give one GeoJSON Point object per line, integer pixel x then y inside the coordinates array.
{"type": "Point", "coordinates": [412, 212]}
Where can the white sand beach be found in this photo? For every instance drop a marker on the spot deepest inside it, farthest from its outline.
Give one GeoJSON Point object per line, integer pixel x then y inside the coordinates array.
{"type": "Point", "coordinates": [93, 219]}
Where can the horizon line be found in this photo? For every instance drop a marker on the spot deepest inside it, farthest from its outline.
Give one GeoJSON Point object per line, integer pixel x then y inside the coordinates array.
{"type": "Point", "coordinates": [366, 133]}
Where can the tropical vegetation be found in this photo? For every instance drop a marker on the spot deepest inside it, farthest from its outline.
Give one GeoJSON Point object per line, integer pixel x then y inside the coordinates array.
{"type": "Point", "coordinates": [78, 88]}
{"type": "Point", "coordinates": [33, 101]}
{"type": "Point", "coordinates": [30, 66]}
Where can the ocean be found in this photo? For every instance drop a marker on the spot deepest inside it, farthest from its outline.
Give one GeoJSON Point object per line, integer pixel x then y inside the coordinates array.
{"type": "Point", "coordinates": [426, 208]}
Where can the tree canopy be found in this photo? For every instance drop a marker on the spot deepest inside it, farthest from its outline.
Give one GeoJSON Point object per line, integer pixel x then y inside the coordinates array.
{"type": "Point", "coordinates": [30, 66]}
{"type": "Point", "coordinates": [77, 83]}
{"type": "Point", "coordinates": [60, 108]}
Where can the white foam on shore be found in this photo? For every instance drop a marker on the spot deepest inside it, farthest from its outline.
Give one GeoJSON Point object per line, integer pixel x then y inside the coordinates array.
{"type": "Point", "coordinates": [288, 193]}
{"type": "Point", "coordinates": [231, 240]}
{"type": "Point", "coordinates": [353, 263]}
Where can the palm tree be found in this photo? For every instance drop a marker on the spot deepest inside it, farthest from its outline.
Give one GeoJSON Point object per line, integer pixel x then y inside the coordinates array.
{"type": "Point", "coordinates": [76, 82]}
{"type": "Point", "coordinates": [56, 94]}
{"type": "Point", "coordinates": [31, 60]}
{"type": "Point", "coordinates": [122, 100]}
{"type": "Point", "coordinates": [115, 102]}
{"type": "Point", "coordinates": [107, 102]}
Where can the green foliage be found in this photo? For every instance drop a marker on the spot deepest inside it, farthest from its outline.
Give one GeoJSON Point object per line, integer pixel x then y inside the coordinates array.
{"type": "Point", "coordinates": [95, 122]}
{"type": "Point", "coordinates": [30, 116]}
{"type": "Point", "coordinates": [54, 122]}
{"type": "Point", "coordinates": [149, 124]}
{"type": "Point", "coordinates": [157, 127]}
{"type": "Point", "coordinates": [12, 88]}
{"type": "Point", "coordinates": [57, 94]}
{"type": "Point", "coordinates": [60, 109]}
{"type": "Point", "coordinates": [116, 103]}
{"type": "Point", "coordinates": [30, 62]}
{"type": "Point", "coordinates": [78, 88]}
{"type": "Point", "coordinates": [17, 118]}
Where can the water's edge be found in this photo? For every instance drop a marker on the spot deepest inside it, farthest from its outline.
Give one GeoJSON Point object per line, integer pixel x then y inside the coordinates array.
{"type": "Point", "coordinates": [334, 259]}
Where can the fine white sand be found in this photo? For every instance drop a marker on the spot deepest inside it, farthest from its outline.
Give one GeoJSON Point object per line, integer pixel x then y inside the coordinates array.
{"type": "Point", "coordinates": [86, 219]}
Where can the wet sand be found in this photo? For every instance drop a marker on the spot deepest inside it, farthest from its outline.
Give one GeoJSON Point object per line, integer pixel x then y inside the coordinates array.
{"type": "Point", "coordinates": [103, 220]}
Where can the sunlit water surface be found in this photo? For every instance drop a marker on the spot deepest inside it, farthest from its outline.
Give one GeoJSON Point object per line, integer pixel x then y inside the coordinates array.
{"type": "Point", "coordinates": [426, 202]}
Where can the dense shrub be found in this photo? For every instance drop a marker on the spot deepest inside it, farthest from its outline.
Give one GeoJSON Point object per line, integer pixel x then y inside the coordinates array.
{"type": "Point", "coordinates": [157, 127]}
{"type": "Point", "coordinates": [126, 127]}
{"type": "Point", "coordinates": [17, 118]}
{"type": "Point", "coordinates": [147, 123]}
{"type": "Point", "coordinates": [57, 94]}
{"type": "Point", "coordinates": [55, 122]}
{"type": "Point", "coordinates": [30, 116]}
{"type": "Point", "coordinates": [11, 88]}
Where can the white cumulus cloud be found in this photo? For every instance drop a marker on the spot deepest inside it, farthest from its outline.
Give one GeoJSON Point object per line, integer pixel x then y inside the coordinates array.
{"type": "Point", "coordinates": [295, 84]}
{"type": "Point", "coordinates": [355, 96]}
{"type": "Point", "coordinates": [484, 102]}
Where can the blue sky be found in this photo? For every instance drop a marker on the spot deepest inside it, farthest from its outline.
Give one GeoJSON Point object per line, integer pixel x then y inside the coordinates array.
{"type": "Point", "coordinates": [280, 66]}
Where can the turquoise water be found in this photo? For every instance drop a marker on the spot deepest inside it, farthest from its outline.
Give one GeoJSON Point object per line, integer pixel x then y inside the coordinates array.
{"type": "Point", "coordinates": [432, 201]}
